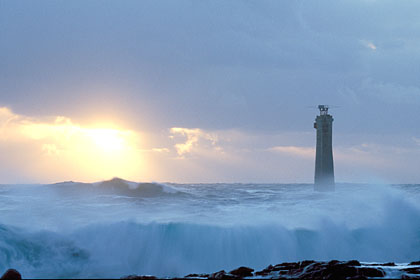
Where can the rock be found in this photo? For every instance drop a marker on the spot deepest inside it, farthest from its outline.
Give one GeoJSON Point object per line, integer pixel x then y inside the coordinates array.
{"type": "Point", "coordinates": [381, 264]}
{"type": "Point", "coordinates": [333, 262]}
{"type": "Point", "coordinates": [305, 263]}
{"type": "Point", "coordinates": [265, 271]}
{"type": "Point", "coordinates": [286, 266]}
{"type": "Point", "coordinates": [353, 263]}
{"type": "Point", "coordinates": [308, 269]}
{"type": "Point", "coordinates": [195, 275]}
{"type": "Point", "coordinates": [335, 270]}
{"type": "Point", "coordinates": [242, 271]}
{"type": "Point", "coordinates": [222, 275]}
{"type": "Point", "coordinates": [412, 270]}
{"type": "Point", "coordinates": [409, 277]}
{"type": "Point", "coordinates": [357, 277]}
{"type": "Point", "coordinates": [414, 263]}
{"type": "Point", "coordinates": [371, 272]}
{"type": "Point", "coordinates": [11, 274]}
{"type": "Point", "coordinates": [139, 277]}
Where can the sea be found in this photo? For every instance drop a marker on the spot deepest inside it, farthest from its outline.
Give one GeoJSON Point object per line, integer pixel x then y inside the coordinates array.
{"type": "Point", "coordinates": [117, 228]}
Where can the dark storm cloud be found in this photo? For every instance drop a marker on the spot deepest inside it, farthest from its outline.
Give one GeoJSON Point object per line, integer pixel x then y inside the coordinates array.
{"type": "Point", "coordinates": [212, 64]}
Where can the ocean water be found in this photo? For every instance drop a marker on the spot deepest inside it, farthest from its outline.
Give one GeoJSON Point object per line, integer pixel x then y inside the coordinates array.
{"type": "Point", "coordinates": [117, 228]}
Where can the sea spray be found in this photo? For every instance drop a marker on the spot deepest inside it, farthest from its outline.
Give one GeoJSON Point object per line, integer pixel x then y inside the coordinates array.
{"type": "Point", "coordinates": [86, 231]}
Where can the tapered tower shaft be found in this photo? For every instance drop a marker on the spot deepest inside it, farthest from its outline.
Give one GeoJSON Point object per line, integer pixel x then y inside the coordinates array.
{"type": "Point", "coordinates": [324, 166]}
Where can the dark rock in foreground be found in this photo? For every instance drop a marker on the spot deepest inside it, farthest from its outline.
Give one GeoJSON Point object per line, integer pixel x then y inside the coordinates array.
{"type": "Point", "coordinates": [310, 269]}
{"type": "Point", "coordinates": [11, 274]}
{"type": "Point", "coordinates": [222, 275]}
{"type": "Point", "coordinates": [412, 270]}
{"type": "Point", "coordinates": [321, 270]}
{"type": "Point", "coordinates": [242, 272]}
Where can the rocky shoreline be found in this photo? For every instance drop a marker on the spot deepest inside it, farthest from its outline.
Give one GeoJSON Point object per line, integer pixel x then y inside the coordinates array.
{"type": "Point", "coordinates": [308, 269]}
{"type": "Point", "coordinates": [313, 270]}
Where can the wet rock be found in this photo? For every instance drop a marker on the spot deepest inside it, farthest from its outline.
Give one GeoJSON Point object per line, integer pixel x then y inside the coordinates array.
{"type": "Point", "coordinates": [11, 274]}
{"type": "Point", "coordinates": [305, 263]}
{"type": "Point", "coordinates": [371, 272]}
{"type": "Point", "coordinates": [310, 269]}
{"type": "Point", "coordinates": [139, 277]}
{"type": "Point", "coordinates": [414, 263]}
{"type": "Point", "coordinates": [222, 275]}
{"type": "Point", "coordinates": [265, 271]}
{"type": "Point", "coordinates": [357, 277]}
{"type": "Point", "coordinates": [353, 263]}
{"type": "Point", "coordinates": [381, 264]}
{"type": "Point", "coordinates": [335, 270]}
{"type": "Point", "coordinates": [410, 277]}
{"type": "Point", "coordinates": [242, 271]}
{"type": "Point", "coordinates": [286, 266]}
{"type": "Point", "coordinates": [195, 275]}
{"type": "Point", "coordinates": [412, 270]}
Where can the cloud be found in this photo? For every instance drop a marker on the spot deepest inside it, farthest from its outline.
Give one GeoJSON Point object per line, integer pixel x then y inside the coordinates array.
{"type": "Point", "coordinates": [416, 140]}
{"type": "Point", "coordinates": [56, 147]}
{"type": "Point", "coordinates": [161, 150]}
{"type": "Point", "coordinates": [391, 92]}
{"type": "Point", "coordinates": [50, 149]}
{"type": "Point", "coordinates": [368, 44]}
{"type": "Point", "coordinates": [193, 137]}
{"type": "Point", "coordinates": [360, 161]}
{"type": "Point", "coordinates": [359, 154]}
{"type": "Point", "coordinates": [230, 72]}
{"type": "Point", "coordinates": [305, 152]}
{"type": "Point", "coordinates": [371, 46]}
{"type": "Point", "coordinates": [370, 91]}
{"type": "Point", "coordinates": [60, 133]}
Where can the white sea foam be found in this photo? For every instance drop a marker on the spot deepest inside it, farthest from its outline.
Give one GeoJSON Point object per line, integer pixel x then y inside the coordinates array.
{"type": "Point", "coordinates": [115, 228]}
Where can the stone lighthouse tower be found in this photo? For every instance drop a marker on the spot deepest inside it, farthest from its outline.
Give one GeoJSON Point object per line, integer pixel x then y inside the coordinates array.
{"type": "Point", "coordinates": [324, 166]}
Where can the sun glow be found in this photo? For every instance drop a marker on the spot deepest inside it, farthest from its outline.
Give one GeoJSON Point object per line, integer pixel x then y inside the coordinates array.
{"type": "Point", "coordinates": [72, 150]}
{"type": "Point", "coordinates": [109, 140]}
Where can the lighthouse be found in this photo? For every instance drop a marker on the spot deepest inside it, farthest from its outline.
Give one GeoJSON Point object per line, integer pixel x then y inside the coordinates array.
{"type": "Point", "coordinates": [324, 165]}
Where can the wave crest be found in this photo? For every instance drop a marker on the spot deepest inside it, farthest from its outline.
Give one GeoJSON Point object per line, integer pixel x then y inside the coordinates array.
{"type": "Point", "coordinates": [124, 187]}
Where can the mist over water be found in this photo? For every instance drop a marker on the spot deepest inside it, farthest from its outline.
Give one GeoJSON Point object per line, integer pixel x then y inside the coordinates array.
{"type": "Point", "coordinates": [117, 228]}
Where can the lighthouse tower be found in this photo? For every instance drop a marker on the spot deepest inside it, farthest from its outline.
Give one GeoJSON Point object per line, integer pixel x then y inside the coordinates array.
{"type": "Point", "coordinates": [324, 166]}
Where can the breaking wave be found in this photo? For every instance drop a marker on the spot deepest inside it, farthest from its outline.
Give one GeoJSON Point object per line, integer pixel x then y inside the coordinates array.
{"type": "Point", "coordinates": [120, 186]}
{"type": "Point", "coordinates": [112, 249]}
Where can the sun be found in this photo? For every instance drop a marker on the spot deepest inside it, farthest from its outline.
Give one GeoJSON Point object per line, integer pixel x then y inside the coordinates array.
{"type": "Point", "coordinates": [109, 140]}
{"type": "Point", "coordinates": [99, 151]}
{"type": "Point", "coordinates": [57, 148]}
{"type": "Point", "coordinates": [108, 152]}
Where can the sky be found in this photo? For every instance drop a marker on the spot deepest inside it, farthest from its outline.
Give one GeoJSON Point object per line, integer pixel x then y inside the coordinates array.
{"type": "Point", "coordinates": [207, 91]}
